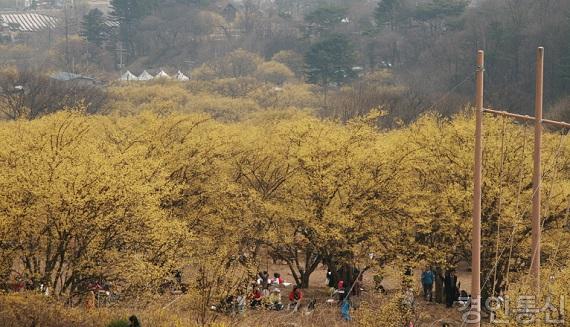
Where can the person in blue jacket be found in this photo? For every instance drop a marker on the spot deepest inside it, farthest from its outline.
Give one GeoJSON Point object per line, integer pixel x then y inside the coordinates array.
{"type": "Point", "coordinates": [427, 283]}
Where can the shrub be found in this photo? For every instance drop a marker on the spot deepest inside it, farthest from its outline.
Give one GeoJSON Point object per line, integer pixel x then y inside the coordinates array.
{"type": "Point", "coordinates": [118, 323]}
{"type": "Point", "coordinates": [291, 59]}
{"type": "Point", "coordinates": [392, 313]}
{"type": "Point", "coordinates": [273, 72]}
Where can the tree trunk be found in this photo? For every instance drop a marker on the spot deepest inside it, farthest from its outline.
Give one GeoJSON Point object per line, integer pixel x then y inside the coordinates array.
{"type": "Point", "coordinates": [302, 272]}
{"type": "Point", "coordinates": [325, 94]}
{"type": "Point", "coordinates": [438, 286]}
{"type": "Point", "coordinates": [347, 279]}
{"type": "Point", "coordinates": [334, 278]}
{"type": "Point", "coordinates": [305, 280]}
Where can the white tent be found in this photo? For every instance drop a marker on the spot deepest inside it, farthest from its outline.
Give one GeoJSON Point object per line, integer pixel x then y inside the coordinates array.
{"type": "Point", "coordinates": [162, 74]}
{"type": "Point", "coordinates": [128, 76]}
{"type": "Point", "coordinates": [181, 77]}
{"type": "Point", "coordinates": [145, 76]}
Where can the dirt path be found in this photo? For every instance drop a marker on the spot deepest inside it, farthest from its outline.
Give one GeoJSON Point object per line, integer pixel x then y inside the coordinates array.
{"type": "Point", "coordinates": [429, 313]}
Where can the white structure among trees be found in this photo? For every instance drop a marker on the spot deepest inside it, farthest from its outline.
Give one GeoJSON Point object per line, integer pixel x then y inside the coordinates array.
{"type": "Point", "coordinates": [181, 77]}
{"type": "Point", "coordinates": [128, 76]}
{"type": "Point", "coordinates": [145, 76]}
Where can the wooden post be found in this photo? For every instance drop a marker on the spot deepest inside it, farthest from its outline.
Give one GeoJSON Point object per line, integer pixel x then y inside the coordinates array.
{"type": "Point", "coordinates": [536, 178]}
{"type": "Point", "coordinates": [537, 171]}
{"type": "Point", "coordinates": [475, 317]}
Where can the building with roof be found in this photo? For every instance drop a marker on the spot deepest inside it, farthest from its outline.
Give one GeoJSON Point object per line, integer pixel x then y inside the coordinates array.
{"type": "Point", "coordinates": [145, 76]}
{"type": "Point", "coordinates": [27, 22]}
{"type": "Point", "coordinates": [74, 78]}
{"type": "Point", "coordinates": [181, 77]}
{"type": "Point", "coordinates": [162, 75]}
{"type": "Point", "coordinates": [128, 76]}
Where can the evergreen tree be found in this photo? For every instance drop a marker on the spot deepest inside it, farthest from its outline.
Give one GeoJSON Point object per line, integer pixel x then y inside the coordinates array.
{"type": "Point", "coordinates": [392, 13]}
{"type": "Point", "coordinates": [440, 9]}
{"type": "Point", "coordinates": [93, 27]}
{"type": "Point", "coordinates": [324, 19]}
{"type": "Point", "coordinates": [198, 3]}
{"type": "Point", "coordinates": [385, 11]}
{"type": "Point", "coordinates": [326, 16]}
{"type": "Point", "coordinates": [128, 13]}
{"type": "Point", "coordinates": [330, 61]}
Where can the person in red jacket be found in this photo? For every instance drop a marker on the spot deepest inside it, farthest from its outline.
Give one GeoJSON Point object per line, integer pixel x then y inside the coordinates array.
{"type": "Point", "coordinates": [255, 298]}
{"type": "Point", "coordinates": [295, 298]}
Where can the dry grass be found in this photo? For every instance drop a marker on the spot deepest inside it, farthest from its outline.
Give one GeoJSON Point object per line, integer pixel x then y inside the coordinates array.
{"type": "Point", "coordinates": [30, 309]}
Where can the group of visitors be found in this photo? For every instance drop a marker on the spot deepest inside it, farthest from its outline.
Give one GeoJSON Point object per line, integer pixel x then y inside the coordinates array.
{"type": "Point", "coordinates": [264, 293]}
{"type": "Point", "coordinates": [264, 281]}
{"type": "Point", "coordinates": [447, 286]}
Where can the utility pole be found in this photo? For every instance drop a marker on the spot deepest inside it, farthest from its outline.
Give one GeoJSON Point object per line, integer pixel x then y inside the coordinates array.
{"type": "Point", "coordinates": [475, 313]}
{"type": "Point", "coordinates": [539, 121]}
{"type": "Point", "coordinates": [49, 36]}
{"type": "Point", "coordinates": [65, 13]}
{"type": "Point", "coordinates": [121, 52]}
{"type": "Point", "coordinates": [536, 178]}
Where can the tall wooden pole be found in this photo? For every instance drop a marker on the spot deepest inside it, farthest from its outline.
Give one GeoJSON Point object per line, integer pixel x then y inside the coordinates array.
{"type": "Point", "coordinates": [67, 61]}
{"type": "Point", "coordinates": [476, 237]}
{"type": "Point", "coordinates": [536, 178]}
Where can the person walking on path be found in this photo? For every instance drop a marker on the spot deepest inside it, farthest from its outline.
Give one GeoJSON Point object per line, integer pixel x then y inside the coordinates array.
{"type": "Point", "coordinates": [427, 283]}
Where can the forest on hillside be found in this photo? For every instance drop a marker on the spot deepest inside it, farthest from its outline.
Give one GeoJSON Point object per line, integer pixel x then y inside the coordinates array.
{"type": "Point", "coordinates": [429, 46]}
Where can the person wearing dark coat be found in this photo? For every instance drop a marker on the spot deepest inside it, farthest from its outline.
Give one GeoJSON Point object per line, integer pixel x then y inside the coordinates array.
{"type": "Point", "coordinates": [457, 286]}
{"type": "Point", "coordinates": [438, 285]}
{"type": "Point", "coordinates": [450, 285]}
